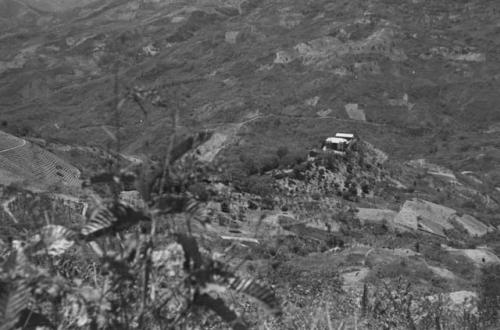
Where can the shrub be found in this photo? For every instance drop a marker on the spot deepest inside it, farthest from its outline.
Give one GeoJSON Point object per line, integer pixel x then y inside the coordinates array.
{"type": "Point", "coordinates": [259, 185]}
{"type": "Point", "coordinates": [468, 204]}
{"type": "Point", "coordinates": [298, 173]}
{"type": "Point", "coordinates": [281, 152]}
{"type": "Point", "coordinates": [224, 207]}
{"type": "Point", "coordinates": [351, 194]}
{"type": "Point", "coordinates": [249, 165]}
{"type": "Point", "coordinates": [316, 196]}
{"type": "Point", "coordinates": [365, 187]}
{"type": "Point", "coordinates": [330, 163]}
{"type": "Point", "coordinates": [268, 163]}
{"type": "Point", "coordinates": [199, 191]}
{"type": "Point", "coordinates": [391, 305]}
{"type": "Point", "coordinates": [291, 159]}
{"type": "Point", "coordinates": [489, 295]}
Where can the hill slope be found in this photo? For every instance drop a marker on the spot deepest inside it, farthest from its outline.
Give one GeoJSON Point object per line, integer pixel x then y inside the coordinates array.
{"type": "Point", "coordinates": [22, 161]}
{"type": "Point", "coordinates": [410, 66]}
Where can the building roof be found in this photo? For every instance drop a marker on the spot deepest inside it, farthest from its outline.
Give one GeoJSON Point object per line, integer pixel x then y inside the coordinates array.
{"type": "Point", "coordinates": [335, 140]}
{"type": "Point", "coordinates": [345, 135]}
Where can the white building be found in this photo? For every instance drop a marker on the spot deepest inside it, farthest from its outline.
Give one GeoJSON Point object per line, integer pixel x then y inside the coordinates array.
{"type": "Point", "coordinates": [339, 143]}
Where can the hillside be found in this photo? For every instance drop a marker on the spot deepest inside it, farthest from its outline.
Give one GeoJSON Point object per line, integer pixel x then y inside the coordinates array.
{"type": "Point", "coordinates": [323, 231]}
{"type": "Point", "coordinates": [408, 66]}
{"type": "Point", "coordinates": [24, 163]}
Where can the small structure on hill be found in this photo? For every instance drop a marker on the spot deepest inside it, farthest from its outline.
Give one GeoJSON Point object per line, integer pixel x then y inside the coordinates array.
{"type": "Point", "coordinates": [347, 136]}
{"type": "Point", "coordinates": [340, 143]}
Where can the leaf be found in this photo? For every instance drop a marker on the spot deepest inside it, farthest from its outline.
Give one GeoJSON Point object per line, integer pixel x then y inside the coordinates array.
{"type": "Point", "coordinates": [56, 232]}
{"type": "Point", "coordinates": [16, 259]}
{"type": "Point", "coordinates": [53, 239]}
{"type": "Point", "coordinates": [219, 306]}
{"type": "Point", "coordinates": [75, 311]}
{"type": "Point", "coordinates": [100, 222]}
{"type": "Point", "coordinates": [257, 290]}
{"type": "Point", "coordinates": [220, 275]}
{"type": "Point", "coordinates": [215, 276]}
{"type": "Point", "coordinates": [29, 319]}
{"type": "Point", "coordinates": [13, 299]}
{"type": "Point", "coordinates": [196, 210]}
{"type": "Point", "coordinates": [111, 219]}
{"type": "Point", "coordinates": [59, 247]}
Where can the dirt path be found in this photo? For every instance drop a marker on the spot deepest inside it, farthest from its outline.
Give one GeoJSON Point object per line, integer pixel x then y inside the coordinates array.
{"type": "Point", "coordinates": [23, 143]}
{"type": "Point", "coordinates": [133, 159]}
{"type": "Point", "coordinates": [297, 118]}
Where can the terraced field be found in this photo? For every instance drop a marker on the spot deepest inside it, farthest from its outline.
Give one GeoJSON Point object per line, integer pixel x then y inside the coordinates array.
{"type": "Point", "coordinates": [33, 164]}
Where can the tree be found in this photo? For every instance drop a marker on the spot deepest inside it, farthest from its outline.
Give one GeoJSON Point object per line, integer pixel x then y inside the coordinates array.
{"type": "Point", "coordinates": [282, 152]}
